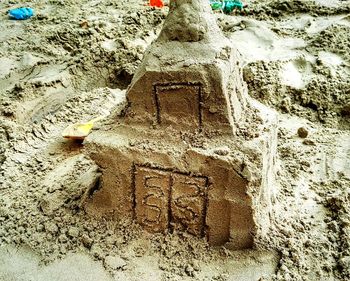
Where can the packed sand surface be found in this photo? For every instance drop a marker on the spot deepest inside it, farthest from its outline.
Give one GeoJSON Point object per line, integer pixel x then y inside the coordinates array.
{"type": "Point", "coordinates": [74, 60]}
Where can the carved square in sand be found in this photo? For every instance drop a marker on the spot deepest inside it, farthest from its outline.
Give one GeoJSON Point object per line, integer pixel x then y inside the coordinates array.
{"type": "Point", "coordinates": [179, 105]}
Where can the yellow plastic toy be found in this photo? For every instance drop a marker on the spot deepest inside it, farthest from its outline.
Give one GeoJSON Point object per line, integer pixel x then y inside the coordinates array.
{"type": "Point", "coordinates": [80, 131]}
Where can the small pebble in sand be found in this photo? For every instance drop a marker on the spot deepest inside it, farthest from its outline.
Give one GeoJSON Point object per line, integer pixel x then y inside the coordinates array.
{"type": "Point", "coordinates": [308, 142]}
{"type": "Point", "coordinates": [302, 132]}
{"type": "Point", "coordinates": [84, 24]}
{"type": "Point", "coordinates": [87, 241]}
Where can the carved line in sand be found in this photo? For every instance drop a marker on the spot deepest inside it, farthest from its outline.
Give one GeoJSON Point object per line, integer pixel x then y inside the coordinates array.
{"type": "Point", "coordinates": [169, 200]}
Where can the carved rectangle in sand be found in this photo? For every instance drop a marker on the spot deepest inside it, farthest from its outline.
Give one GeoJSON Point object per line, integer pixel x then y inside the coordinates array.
{"type": "Point", "coordinates": [152, 187]}
{"type": "Point", "coordinates": [179, 105]}
{"type": "Point", "coordinates": [166, 199]}
{"type": "Point", "coordinates": [189, 203]}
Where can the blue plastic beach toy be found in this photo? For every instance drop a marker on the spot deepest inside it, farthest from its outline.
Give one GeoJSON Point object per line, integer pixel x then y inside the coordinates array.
{"type": "Point", "coordinates": [227, 6]}
{"type": "Point", "coordinates": [21, 13]}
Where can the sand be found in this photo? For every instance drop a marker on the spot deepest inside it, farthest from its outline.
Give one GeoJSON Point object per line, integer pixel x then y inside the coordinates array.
{"type": "Point", "coordinates": [73, 61]}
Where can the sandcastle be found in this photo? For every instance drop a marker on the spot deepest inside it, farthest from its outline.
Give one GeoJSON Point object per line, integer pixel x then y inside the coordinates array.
{"type": "Point", "coordinates": [176, 158]}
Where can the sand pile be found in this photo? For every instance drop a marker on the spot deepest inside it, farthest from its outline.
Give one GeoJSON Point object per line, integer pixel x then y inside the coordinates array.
{"type": "Point", "coordinates": [73, 61]}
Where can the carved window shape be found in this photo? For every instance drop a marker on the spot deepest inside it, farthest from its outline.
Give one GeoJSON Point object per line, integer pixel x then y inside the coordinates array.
{"type": "Point", "coordinates": [179, 105]}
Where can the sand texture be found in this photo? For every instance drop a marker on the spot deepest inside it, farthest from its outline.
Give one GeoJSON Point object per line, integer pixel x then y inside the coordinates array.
{"type": "Point", "coordinates": [74, 60]}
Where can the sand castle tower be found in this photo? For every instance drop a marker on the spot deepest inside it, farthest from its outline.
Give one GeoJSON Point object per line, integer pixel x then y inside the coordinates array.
{"type": "Point", "coordinates": [176, 159]}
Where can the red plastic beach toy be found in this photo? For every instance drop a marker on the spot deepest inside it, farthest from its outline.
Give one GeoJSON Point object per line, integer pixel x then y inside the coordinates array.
{"type": "Point", "coordinates": [156, 3]}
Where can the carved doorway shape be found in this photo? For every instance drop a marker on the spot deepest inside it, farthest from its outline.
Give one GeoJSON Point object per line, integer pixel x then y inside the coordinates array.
{"type": "Point", "coordinates": [167, 200]}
